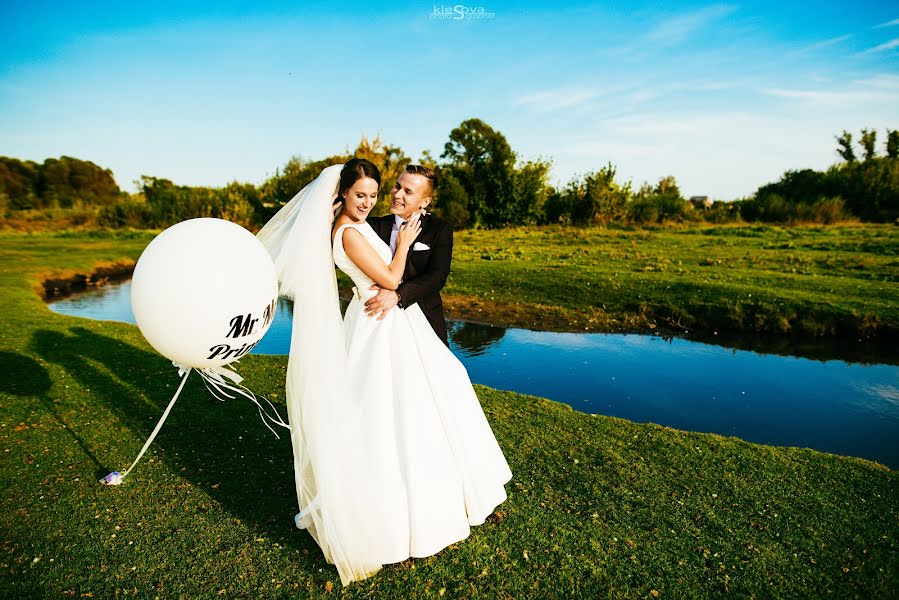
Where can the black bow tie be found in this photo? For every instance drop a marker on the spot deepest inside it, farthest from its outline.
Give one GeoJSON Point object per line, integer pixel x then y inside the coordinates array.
{"type": "Point", "coordinates": [404, 222]}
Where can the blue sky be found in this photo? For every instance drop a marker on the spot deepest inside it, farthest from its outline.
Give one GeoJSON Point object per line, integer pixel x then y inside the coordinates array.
{"type": "Point", "coordinates": [725, 97]}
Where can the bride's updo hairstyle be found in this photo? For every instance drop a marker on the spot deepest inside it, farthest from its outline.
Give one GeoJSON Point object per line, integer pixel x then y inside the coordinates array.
{"type": "Point", "coordinates": [354, 170]}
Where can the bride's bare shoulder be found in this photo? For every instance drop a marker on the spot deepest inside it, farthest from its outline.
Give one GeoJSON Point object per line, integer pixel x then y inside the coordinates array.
{"type": "Point", "coordinates": [336, 227]}
{"type": "Point", "coordinates": [340, 222]}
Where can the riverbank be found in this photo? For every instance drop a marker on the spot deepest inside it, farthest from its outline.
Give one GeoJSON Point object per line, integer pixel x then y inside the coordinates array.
{"type": "Point", "coordinates": [809, 281]}
{"type": "Point", "coordinates": [815, 281]}
{"type": "Point", "coordinates": [598, 506]}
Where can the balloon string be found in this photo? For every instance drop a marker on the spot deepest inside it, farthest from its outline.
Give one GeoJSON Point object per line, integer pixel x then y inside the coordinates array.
{"type": "Point", "coordinates": [217, 383]}
{"type": "Point", "coordinates": [213, 379]}
{"type": "Point", "coordinates": [158, 426]}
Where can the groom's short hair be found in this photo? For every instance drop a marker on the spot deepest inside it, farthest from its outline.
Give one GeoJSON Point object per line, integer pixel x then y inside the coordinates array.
{"type": "Point", "coordinates": [425, 172]}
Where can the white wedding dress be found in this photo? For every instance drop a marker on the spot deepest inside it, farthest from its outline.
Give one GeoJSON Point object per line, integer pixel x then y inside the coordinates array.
{"type": "Point", "coordinates": [393, 456]}
{"type": "Point", "coordinates": [433, 467]}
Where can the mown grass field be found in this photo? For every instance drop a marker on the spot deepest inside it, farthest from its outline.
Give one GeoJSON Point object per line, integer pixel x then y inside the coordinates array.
{"type": "Point", "coordinates": [598, 506]}
{"type": "Point", "coordinates": [840, 280]}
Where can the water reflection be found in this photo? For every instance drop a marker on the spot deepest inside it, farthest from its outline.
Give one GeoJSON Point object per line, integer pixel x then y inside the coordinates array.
{"type": "Point", "coordinates": [854, 350]}
{"type": "Point", "coordinates": [474, 339]}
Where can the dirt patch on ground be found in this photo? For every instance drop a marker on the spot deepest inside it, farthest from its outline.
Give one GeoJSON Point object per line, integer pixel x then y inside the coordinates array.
{"type": "Point", "coordinates": [543, 317]}
{"type": "Point", "coordinates": [58, 284]}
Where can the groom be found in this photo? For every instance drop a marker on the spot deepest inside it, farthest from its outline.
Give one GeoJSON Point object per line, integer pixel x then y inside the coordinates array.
{"type": "Point", "coordinates": [428, 264]}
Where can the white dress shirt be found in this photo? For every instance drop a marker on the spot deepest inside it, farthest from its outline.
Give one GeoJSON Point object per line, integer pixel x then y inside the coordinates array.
{"type": "Point", "coordinates": [397, 221]}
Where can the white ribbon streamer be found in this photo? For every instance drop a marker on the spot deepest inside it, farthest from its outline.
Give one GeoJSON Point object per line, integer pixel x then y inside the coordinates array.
{"type": "Point", "coordinates": [116, 478]}
{"type": "Point", "coordinates": [214, 377]}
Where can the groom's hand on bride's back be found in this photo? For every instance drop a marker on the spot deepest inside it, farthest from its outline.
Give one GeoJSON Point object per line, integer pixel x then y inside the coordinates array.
{"type": "Point", "coordinates": [382, 303]}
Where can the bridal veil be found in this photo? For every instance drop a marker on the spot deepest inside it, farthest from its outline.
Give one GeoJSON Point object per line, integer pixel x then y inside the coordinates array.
{"type": "Point", "coordinates": [322, 415]}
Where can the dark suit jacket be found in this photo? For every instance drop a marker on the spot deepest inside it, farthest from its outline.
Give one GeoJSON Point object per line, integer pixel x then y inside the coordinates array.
{"type": "Point", "coordinates": [426, 270]}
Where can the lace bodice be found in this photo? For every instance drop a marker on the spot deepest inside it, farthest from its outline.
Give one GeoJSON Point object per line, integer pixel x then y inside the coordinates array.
{"type": "Point", "coordinates": [362, 281]}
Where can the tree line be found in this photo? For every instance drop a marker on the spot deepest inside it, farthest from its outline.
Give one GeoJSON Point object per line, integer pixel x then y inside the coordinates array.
{"type": "Point", "coordinates": [65, 182]}
{"type": "Point", "coordinates": [483, 183]}
{"type": "Point", "coordinates": [866, 188]}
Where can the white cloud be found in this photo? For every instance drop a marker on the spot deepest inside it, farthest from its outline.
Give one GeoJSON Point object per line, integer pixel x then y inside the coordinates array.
{"type": "Point", "coordinates": [887, 24]}
{"type": "Point", "coordinates": [726, 149]}
{"type": "Point", "coordinates": [549, 100]}
{"type": "Point", "coordinates": [724, 153]}
{"type": "Point", "coordinates": [819, 45]}
{"type": "Point", "coordinates": [666, 33]}
{"type": "Point", "coordinates": [893, 43]}
{"type": "Point", "coordinates": [881, 88]}
{"type": "Point", "coordinates": [882, 80]}
{"type": "Point", "coordinates": [689, 146]}
{"type": "Point", "coordinates": [617, 99]}
{"type": "Point", "coordinates": [682, 27]}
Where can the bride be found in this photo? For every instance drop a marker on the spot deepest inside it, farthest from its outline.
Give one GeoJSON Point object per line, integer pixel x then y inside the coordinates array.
{"type": "Point", "coordinates": [393, 456]}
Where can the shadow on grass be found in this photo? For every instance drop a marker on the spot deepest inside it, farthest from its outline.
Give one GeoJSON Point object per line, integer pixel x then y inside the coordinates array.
{"type": "Point", "coordinates": [30, 379]}
{"type": "Point", "coordinates": [26, 376]}
{"type": "Point", "coordinates": [219, 447]}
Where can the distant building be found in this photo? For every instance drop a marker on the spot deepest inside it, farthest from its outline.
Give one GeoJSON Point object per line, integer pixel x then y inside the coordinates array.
{"type": "Point", "coordinates": [701, 202]}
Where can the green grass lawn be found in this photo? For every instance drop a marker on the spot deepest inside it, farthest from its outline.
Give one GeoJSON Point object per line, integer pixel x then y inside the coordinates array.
{"type": "Point", "coordinates": [597, 507]}
{"type": "Point", "coordinates": [798, 280]}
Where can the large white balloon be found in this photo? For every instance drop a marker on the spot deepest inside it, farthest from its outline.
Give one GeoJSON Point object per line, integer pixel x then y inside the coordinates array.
{"type": "Point", "coordinates": [204, 292]}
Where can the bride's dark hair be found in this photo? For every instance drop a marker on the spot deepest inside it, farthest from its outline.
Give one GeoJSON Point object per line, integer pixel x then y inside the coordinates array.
{"type": "Point", "coordinates": [354, 170]}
